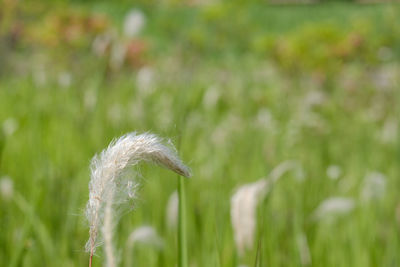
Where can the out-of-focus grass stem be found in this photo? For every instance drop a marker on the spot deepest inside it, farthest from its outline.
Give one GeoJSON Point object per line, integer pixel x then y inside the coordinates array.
{"type": "Point", "coordinates": [182, 216]}
{"type": "Point", "coordinates": [182, 240]}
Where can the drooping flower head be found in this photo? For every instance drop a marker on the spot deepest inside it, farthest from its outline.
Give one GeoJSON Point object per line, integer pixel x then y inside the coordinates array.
{"type": "Point", "coordinates": [109, 183]}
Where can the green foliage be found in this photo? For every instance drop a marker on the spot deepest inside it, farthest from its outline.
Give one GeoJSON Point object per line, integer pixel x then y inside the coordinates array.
{"type": "Point", "coordinates": [242, 89]}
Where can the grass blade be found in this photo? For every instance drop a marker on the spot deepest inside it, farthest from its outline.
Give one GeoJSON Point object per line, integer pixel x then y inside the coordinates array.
{"type": "Point", "coordinates": [182, 240]}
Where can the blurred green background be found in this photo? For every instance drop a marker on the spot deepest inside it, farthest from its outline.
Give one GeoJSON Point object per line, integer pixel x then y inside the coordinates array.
{"type": "Point", "coordinates": [241, 86]}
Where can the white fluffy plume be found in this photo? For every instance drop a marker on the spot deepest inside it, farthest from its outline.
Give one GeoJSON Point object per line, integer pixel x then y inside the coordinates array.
{"type": "Point", "coordinates": [243, 212]}
{"type": "Point", "coordinates": [244, 205]}
{"type": "Point", "coordinates": [109, 186]}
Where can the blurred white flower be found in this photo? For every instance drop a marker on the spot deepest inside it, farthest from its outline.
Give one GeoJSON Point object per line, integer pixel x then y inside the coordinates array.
{"type": "Point", "coordinates": [385, 53]}
{"type": "Point", "coordinates": [195, 120]}
{"type": "Point", "coordinates": [39, 76]}
{"type": "Point", "coordinates": [374, 186]}
{"type": "Point", "coordinates": [220, 135]}
{"type": "Point", "coordinates": [10, 125]}
{"type": "Point", "coordinates": [333, 172]}
{"type": "Point", "coordinates": [145, 80]}
{"type": "Point", "coordinates": [299, 173]}
{"type": "Point", "coordinates": [146, 235]}
{"type": "Point", "coordinates": [397, 214]}
{"type": "Point", "coordinates": [243, 213]}
{"type": "Point", "coordinates": [350, 77]}
{"type": "Point", "coordinates": [90, 99]}
{"type": "Point", "coordinates": [386, 78]}
{"type": "Point", "coordinates": [117, 57]}
{"type": "Point", "coordinates": [314, 98]}
{"type": "Point", "coordinates": [282, 168]}
{"type": "Point", "coordinates": [244, 204]}
{"type": "Point", "coordinates": [389, 132]}
{"type": "Point", "coordinates": [225, 128]}
{"type": "Point", "coordinates": [164, 116]}
{"type": "Point", "coordinates": [137, 108]}
{"type": "Point", "coordinates": [306, 117]}
{"type": "Point", "coordinates": [64, 79]}
{"type": "Point", "coordinates": [314, 120]}
{"type": "Point", "coordinates": [304, 249]}
{"type": "Point", "coordinates": [265, 119]}
{"type": "Point", "coordinates": [18, 235]}
{"type": "Point", "coordinates": [6, 188]}
{"type": "Point", "coordinates": [332, 208]}
{"type": "Point", "coordinates": [115, 114]}
{"type": "Point", "coordinates": [172, 210]}
{"type": "Point", "coordinates": [211, 97]}
{"type": "Point", "coordinates": [376, 111]}
{"type": "Point", "coordinates": [134, 22]}
{"type": "Point", "coordinates": [101, 43]}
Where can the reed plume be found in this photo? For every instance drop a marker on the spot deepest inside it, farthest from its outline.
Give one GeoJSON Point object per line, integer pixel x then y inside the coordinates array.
{"type": "Point", "coordinates": [109, 185]}
{"type": "Point", "coordinates": [244, 205]}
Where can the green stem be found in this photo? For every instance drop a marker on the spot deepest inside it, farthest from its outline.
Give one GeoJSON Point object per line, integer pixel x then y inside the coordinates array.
{"type": "Point", "coordinates": [182, 241]}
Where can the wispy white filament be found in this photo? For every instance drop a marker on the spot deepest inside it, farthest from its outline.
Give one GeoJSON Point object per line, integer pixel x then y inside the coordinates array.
{"type": "Point", "coordinates": [107, 183]}
{"type": "Point", "coordinates": [145, 80]}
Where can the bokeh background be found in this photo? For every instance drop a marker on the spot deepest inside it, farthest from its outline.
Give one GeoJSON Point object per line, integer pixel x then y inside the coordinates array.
{"type": "Point", "coordinates": [240, 87]}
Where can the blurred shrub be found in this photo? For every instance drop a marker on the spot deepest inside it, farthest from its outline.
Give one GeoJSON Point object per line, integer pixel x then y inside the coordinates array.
{"type": "Point", "coordinates": [220, 27]}
{"type": "Point", "coordinates": [67, 27]}
{"type": "Point", "coordinates": [317, 47]}
{"type": "Point", "coordinates": [324, 48]}
{"type": "Point", "coordinates": [218, 30]}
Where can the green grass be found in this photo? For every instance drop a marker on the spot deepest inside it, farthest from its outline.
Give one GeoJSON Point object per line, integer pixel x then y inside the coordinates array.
{"type": "Point", "coordinates": [221, 135]}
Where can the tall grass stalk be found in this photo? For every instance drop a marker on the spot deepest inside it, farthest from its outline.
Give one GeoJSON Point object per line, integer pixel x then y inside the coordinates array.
{"type": "Point", "coordinates": [182, 240]}
{"type": "Point", "coordinates": [182, 216]}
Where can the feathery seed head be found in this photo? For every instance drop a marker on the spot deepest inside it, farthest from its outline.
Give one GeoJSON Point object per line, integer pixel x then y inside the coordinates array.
{"type": "Point", "coordinates": [108, 179]}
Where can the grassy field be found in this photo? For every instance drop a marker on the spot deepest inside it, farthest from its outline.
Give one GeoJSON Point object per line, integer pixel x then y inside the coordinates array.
{"type": "Point", "coordinates": [239, 90]}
